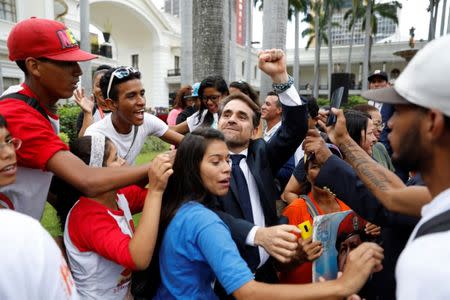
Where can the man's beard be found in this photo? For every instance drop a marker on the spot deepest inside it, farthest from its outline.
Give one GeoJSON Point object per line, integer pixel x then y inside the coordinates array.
{"type": "Point", "coordinates": [412, 155]}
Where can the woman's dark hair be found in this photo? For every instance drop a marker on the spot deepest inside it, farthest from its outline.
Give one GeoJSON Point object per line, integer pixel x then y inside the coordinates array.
{"type": "Point", "coordinates": [81, 147]}
{"type": "Point", "coordinates": [113, 93]}
{"type": "Point", "coordinates": [3, 123]}
{"type": "Point", "coordinates": [356, 122]}
{"type": "Point", "coordinates": [180, 101]}
{"type": "Point", "coordinates": [214, 81]}
{"type": "Point", "coordinates": [184, 184]}
{"type": "Point", "coordinates": [247, 89]}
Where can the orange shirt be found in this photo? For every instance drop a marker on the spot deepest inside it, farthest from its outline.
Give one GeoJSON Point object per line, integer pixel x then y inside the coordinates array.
{"type": "Point", "coordinates": [297, 212]}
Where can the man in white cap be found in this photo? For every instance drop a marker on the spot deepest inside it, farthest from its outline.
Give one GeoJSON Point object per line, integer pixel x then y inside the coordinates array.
{"type": "Point", "coordinates": [420, 139]}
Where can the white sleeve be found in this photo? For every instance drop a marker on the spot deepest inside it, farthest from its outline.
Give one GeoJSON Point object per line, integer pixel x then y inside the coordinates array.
{"type": "Point", "coordinates": [193, 121]}
{"type": "Point", "coordinates": [154, 125]}
{"type": "Point", "coordinates": [290, 97]}
{"type": "Point", "coordinates": [33, 262]}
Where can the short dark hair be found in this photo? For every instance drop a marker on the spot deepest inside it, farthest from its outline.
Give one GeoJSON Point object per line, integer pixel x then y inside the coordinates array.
{"type": "Point", "coordinates": [3, 123]}
{"type": "Point", "coordinates": [356, 122]}
{"type": "Point", "coordinates": [103, 67]}
{"type": "Point", "coordinates": [81, 148]}
{"type": "Point", "coordinates": [244, 98]}
{"type": "Point", "coordinates": [247, 89]}
{"type": "Point", "coordinates": [273, 93]}
{"type": "Point", "coordinates": [365, 108]}
{"type": "Point", "coordinates": [22, 66]}
{"type": "Point", "coordinates": [113, 93]}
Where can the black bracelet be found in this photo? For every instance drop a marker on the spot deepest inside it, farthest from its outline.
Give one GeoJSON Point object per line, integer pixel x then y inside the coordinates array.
{"type": "Point", "coordinates": [282, 87]}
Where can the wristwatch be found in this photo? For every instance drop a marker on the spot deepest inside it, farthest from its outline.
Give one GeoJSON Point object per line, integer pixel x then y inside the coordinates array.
{"type": "Point", "coordinates": [282, 87]}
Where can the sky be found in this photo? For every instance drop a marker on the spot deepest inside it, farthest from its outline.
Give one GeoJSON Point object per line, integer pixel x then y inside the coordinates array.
{"type": "Point", "coordinates": [413, 13]}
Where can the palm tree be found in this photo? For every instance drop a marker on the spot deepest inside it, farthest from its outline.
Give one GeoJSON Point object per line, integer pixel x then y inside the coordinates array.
{"type": "Point", "coordinates": [294, 9]}
{"type": "Point", "coordinates": [330, 7]}
{"type": "Point", "coordinates": [351, 13]}
{"type": "Point", "coordinates": [274, 32]}
{"type": "Point", "coordinates": [210, 38]}
{"type": "Point", "coordinates": [317, 32]}
{"type": "Point", "coordinates": [369, 13]}
{"type": "Point", "coordinates": [186, 41]}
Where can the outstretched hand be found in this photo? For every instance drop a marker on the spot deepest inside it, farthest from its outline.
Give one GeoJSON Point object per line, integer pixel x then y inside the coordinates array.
{"type": "Point", "coordinates": [361, 262]}
{"type": "Point", "coordinates": [160, 171]}
{"type": "Point", "coordinates": [338, 132]}
{"type": "Point", "coordinates": [273, 63]}
{"type": "Point", "coordinates": [279, 241]}
{"type": "Point", "coordinates": [315, 145]}
{"type": "Point", "coordinates": [85, 103]}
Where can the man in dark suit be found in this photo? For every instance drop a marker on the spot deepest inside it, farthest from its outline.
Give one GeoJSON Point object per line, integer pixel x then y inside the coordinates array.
{"type": "Point", "coordinates": [251, 214]}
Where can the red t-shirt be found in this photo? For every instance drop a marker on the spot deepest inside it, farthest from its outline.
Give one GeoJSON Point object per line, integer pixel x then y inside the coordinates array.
{"type": "Point", "coordinates": [297, 212]}
{"type": "Point", "coordinates": [39, 143]}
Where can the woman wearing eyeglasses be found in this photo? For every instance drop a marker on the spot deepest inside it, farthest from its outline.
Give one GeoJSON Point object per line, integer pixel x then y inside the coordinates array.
{"type": "Point", "coordinates": [212, 90]}
{"type": "Point", "coordinates": [102, 244]}
{"type": "Point", "coordinates": [17, 233]}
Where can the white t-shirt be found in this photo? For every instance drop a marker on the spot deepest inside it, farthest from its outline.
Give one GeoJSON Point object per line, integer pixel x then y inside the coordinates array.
{"type": "Point", "coordinates": [152, 126]}
{"type": "Point", "coordinates": [194, 123]}
{"type": "Point", "coordinates": [32, 265]}
{"type": "Point", "coordinates": [422, 269]}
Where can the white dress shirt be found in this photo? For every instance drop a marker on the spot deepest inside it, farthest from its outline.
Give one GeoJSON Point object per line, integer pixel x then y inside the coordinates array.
{"type": "Point", "coordinates": [423, 268]}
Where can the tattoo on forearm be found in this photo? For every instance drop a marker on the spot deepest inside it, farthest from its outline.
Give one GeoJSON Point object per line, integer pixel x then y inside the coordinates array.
{"type": "Point", "coordinates": [367, 170]}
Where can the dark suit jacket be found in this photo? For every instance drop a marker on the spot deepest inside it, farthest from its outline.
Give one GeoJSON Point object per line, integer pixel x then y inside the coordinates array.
{"type": "Point", "coordinates": [264, 159]}
{"type": "Point", "coordinates": [340, 178]}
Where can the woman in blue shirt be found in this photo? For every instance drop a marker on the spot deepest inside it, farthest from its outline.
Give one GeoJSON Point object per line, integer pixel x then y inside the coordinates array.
{"type": "Point", "coordinates": [197, 247]}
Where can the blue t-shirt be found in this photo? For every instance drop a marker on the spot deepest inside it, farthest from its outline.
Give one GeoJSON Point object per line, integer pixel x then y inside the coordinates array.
{"type": "Point", "coordinates": [197, 248]}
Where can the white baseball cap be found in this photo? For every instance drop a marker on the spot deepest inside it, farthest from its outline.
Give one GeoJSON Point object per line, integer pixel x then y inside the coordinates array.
{"type": "Point", "coordinates": [424, 82]}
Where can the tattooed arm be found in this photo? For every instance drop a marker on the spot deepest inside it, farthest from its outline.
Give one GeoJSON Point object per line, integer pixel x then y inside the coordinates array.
{"type": "Point", "coordinates": [384, 184]}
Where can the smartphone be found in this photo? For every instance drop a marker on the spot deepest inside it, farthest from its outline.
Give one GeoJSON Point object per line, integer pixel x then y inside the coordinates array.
{"type": "Point", "coordinates": [306, 229]}
{"type": "Point", "coordinates": [336, 99]}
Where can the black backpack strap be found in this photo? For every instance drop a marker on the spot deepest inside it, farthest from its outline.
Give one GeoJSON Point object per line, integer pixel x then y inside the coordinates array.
{"type": "Point", "coordinates": [439, 223]}
{"type": "Point", "coordinates": [28, 100]}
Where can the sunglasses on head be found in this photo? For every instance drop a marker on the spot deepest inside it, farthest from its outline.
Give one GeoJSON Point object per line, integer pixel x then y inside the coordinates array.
{"type": "Point", "coordinates": [120, 73]}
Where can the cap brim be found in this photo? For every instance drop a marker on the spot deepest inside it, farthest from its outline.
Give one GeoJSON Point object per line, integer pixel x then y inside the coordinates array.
{"type": "Point", "coordinates": [385, 95]}
{"type": "Point", "coordinates": [72, 55]}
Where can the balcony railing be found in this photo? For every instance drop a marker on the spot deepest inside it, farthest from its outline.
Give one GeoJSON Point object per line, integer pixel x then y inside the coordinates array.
{"type": "Point", "coordinates": [173, 72]}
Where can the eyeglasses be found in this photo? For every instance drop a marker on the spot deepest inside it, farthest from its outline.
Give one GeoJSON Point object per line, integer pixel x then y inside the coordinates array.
{"type": "Point", "coordinates": [379, 126]}
{"type": "Point", "coordinates": [12, 143]}
{"type": "Point", "coordinates": [213, 98]}
{"type": "Point", "coordinates": [120, 73]}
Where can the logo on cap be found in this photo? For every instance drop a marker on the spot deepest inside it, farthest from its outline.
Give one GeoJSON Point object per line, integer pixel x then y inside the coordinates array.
{"type": "Point", "coordinates": [66, 38]}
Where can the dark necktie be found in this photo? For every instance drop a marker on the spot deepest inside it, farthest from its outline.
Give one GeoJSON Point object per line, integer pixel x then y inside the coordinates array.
{"type": "Point", "coordinates": [251, 254]}
{"type": "Point", "coordinates": [242, 187]}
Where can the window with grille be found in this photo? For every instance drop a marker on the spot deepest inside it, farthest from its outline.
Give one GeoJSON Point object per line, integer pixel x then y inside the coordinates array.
{"type": "Point", "coordinates": [8, 10]}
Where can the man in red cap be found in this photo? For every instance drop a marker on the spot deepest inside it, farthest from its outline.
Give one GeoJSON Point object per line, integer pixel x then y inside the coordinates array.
{"type": "Point", "coordinates": [48, 54]}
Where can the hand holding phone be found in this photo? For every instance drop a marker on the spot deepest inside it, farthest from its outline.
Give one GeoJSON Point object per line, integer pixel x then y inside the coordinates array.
{"type": "Point", "coordinates": [336, 100]}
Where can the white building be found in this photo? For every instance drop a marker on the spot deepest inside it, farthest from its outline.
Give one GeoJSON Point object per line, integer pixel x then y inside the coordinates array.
{"type": "Point", "coordinates": [144, 36]}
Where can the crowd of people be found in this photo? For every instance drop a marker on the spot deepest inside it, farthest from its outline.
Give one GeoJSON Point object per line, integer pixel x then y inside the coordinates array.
{"type": "Point", "coordinates": [228, 213]}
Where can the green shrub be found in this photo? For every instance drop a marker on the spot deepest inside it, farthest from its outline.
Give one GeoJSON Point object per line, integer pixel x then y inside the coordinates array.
{"type": "Point", "coordinates": [154, 144]}
{"type": "Point", "coordinates": [64, 137]}
{"type": "Point", "coordinates": [68, 114]}
{"type": "Point", "coordinates": [352, 101]}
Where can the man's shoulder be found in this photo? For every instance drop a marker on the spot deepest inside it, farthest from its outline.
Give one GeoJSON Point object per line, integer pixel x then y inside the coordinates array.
{"type": "Point", "coordinates": [101, 126]}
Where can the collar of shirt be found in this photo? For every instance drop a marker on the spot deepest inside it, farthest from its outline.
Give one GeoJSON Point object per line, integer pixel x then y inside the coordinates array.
{"type": "Point", "coordinates": [439, 204]}
{"type": "Point", "coordinates": [269, 133]}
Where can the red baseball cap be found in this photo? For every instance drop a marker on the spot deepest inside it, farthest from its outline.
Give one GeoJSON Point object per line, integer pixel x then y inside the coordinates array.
{"type": "Point", "coordinates": [51, 39]}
